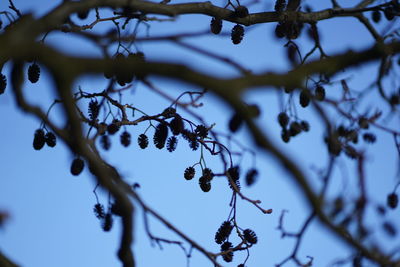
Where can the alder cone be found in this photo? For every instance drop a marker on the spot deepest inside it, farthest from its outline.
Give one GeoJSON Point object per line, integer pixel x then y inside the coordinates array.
{"type": "Point", "coordinates": [39, 139]}
{"type": "Point", "coordinates": [3, 83]}
{"type": "Point", "coordinates": [237, 34]}
{"type": "Point", "coordinates": [216, 25]}
{"type": "Point", "coordinates": [34, 73]}
{"type": "Point", "coordinates": [77, 166]}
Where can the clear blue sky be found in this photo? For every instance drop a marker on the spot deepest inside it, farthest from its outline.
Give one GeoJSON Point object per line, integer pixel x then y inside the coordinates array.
{"type": "Point", "coordinates": [51, 221]}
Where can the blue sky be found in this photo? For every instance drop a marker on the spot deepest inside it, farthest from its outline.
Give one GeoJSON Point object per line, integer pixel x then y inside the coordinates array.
{"type": "Point", "coordinates": [51, 221]}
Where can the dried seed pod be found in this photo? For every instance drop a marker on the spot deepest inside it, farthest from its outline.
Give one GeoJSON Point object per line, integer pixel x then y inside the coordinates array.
{"type": "Point", "coordinates": [235, 122]}
{"type": "Point", "coordinates": [201, 131]}
{"type": "Point", "coordinates": [285, 135]}
{"type": "Point", "coordinates": [3, 83]}
{"type": "Point", "coordinates": [305, 126]}
{"type": "Point", "coordinates": [83, 14]}
{"type": "Point", "coordinates": [216, 25]}
{"type": "Point", "coordinates": [208, 175]}
{"type": "Point", "coordinates": [125, 139]}
{"type": "Point", "coordinates": [363, 123]}
{"type": "Point", "coordinates": [319, 93]}
{"type": "Point", "coordinates": [98, 210]}
{"type": "Point", "coordinates": [105, 142]}
{"type": "Point", "coordinates": [376, 16]}
{"type": "Point", "coordinates": [176, 125]}
{"type": "Point", "coordinates": [107, 222]}
{"type": "Point", "coordinates": [295, 128]}
{"type": "Point", "coordinates": [283, 119]}
{"type": "Point", "coordinates": [305, 98]}
{"type": "Point", "coordinates": [223, 232]}
{"type": "Point", "coordinates": [389, 13]}
{"type": "Point", "coordinates": [77, 166]}
{"type": "Point", "coordinates": [205, 185]}
{"type": "Point", "coordinates": [280, 5]}
{"type": "Point", "coordinates": [280, 30]}
{"type": "Point", "coordinates": [39, 139]}
{"type": "Point", "coordinates": [369, 138]}
{"type": "Point", "coordinates": [392, 200]}
{"type": "Point", "coordinates": [250, 236]}
{"type": "Point", "coordinates": [113, 127]}
{"type": "Point", "coordinates": [237, 34]}
{"type": "Point", "coordinates": [50, 139]}
{"type": "Point", "coordinates": [143, 141]}
{"type": "Point", "coordinates": [33, 73]}
{"type": "Point", "coordinates": [93, 109]}
{"type": "Point", "coordinates": [241, 12]}
{"type": "Point", "coordinates": [251, 177]}
{"type": "Point", "coordinates": [189, 173]}
{"type": "Point", "coordinates": [228, 257]}
{"type": "Point", "coordinates": [172, 143]}
{"type": "Point", "coordinates": [160, 135]}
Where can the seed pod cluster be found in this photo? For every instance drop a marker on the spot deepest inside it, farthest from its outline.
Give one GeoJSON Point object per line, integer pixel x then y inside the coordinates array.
{"type": "Point", "coordinates": [205, 180]}
{"type": "Point", "coordinates": [289, 29]}
{"type": "Point", "coordinates": [234, 173]}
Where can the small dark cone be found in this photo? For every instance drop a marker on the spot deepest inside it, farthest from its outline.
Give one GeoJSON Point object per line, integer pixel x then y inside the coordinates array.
{"type": "Point", "coordinates": [389, 229]}
{"type": "Point", "coordinates": [319, 93]}
{"type": "Point", "coordinates": [283, 119]}
{"type": "Point", "coordinates": [113, 127]}
{"type": "Point", "coordinates": [363, 123]}
{"type": "Point", "coordinates": [376, 16]}
{"type": "Point", "coordinates": [235, 122]}
{"type": "Point", "coordinates": [305, 126]}
{"type": "Point", "coordinates": [77, 166]}
{"type": "Point", "coordinates": [189, 173]}
{"type": "Point", "coordinates": [34, 73]}
{"type": "Point", "coordinates": [237, 34]}
{"type": "Point", "coordinates": [241, 12]}
{"type": "Point", "coordinates": [160, 135]}
{"type": "Point", "coordinates": [93, 109]}
{"type": "Point", "coordinates": [228, 257]}
{"type": "Point", "coordinates": [280, 30]}
{"type": "Point", "coordinates": [105, 142]}
{"type": "Point", "coordinates": [201, 131]}
{"type": "Point", "coordinates": [280, 5]}
{"type": "Point", "coordinates": [172, 143]}
{"type": "Point", "coordinates": [369, 138]}
{"type": "Point", "coordinates": [295, 128]}
{"type": "Point", "coordinates": [250, 236]}
{"type": "Point", "coordinates": [98, 210]}
{"type": "Point", "coordinates": [125, 139]}
{"type": "Point", "coordinates": [392, 200]}
{"type": "Point", "coordinates": [169, 112]}
{"type": "Point", "coordinates": [285, 135]}
{"type": "Point", "coordinates": [3, 83]}
{"type": "Point", "coordinates": [176, 125]}
{"type": "Point", "coordinates": [107, 222]}
{"type": "Point", "coordinates": [194, 144]}
{"type": "Point", "coordinates": [205, 185]}
{"type": "Point", "coordinates": [389, 13]}
{"type": "Point", "coordinates": [143, 141]}
{"type": "Point", "coordinates": [50, 139]}
{"type": "Point", "coordinates": [305, 98]}
{"type": "Point", "coordinates": [216, 25]}
{"type": "Point", "coordinates": [251, 177]}
{"type": "Point", "coordinates": [223, 232]}
{"type": "Point", "coordinates": [39, 139]}
{"type": "Point", "coordinates": [208, 175]}
{"type": "Point", "coordinates": [83, 14]}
